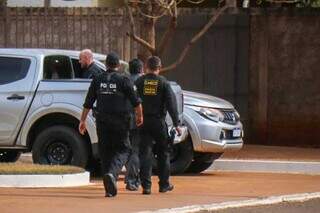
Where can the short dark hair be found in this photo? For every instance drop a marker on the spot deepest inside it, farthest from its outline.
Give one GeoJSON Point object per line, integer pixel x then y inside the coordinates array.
{"type": "Point", "coordinates": [153, 63]}
{"type": "Point", "coordinates": [112, 60]}
{"type": "Point", "coordinates": [135, 66]}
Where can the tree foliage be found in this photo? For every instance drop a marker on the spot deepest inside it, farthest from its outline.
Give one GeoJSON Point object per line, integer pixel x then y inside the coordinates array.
{"type": "Point", "coordinates": [148, 12]}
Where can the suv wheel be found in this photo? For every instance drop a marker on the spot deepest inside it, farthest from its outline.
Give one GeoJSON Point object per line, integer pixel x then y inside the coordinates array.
{"type": "Point", "coordinates": [181, 156]}
{"type": "Point", "coordinates": [202, 161]}
{"type": "Point", "coordinates": [60, 145]}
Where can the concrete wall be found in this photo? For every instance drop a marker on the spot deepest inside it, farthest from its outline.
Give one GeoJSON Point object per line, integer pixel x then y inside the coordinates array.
{"type": "Point", "coordinates": [284, 104]}
{"type": "Point", "coordinates": [217, 64]}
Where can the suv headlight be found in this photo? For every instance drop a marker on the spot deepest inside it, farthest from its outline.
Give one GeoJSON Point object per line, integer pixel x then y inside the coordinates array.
{"type": "Point", "coordinates": [209, 113]}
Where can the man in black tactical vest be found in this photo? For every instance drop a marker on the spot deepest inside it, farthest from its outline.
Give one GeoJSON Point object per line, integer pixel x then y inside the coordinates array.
{"type": "Point", "coordinates": [115, 96]}
{"type": "Point", "coordinates": [157, 98]}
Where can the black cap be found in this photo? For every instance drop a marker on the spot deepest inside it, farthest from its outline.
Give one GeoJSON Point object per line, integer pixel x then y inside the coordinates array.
{"type": "Point", "coordinates": [112, 60]}
{"type": "Point", "coordinates": [154, 62]}
{"type": "Point", "coordinates": [135, 66]}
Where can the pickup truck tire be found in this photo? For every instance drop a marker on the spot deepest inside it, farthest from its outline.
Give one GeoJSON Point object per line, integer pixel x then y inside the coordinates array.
{"type": "Point", "coordinates": [9, 156]}
{"type": "Point", "coordinates": [202, 161]}
{"type": "Point", "coordinates": [60, 145]}
{"type": "Point", "coordinates": [181, 156]}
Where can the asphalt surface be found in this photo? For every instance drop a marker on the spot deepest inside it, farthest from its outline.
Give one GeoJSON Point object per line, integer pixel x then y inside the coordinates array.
{"type": "Point", "coordinates": [311, 206]}
{"type": "Point", "coordinates": [207, 188]}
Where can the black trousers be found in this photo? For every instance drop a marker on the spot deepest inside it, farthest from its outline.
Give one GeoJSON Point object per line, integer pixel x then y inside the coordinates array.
{"type": "Point", "coordinates": [154, 130]}
{"type": "Point", "coordinates": [114, 147]}
{"type": "Point", "coordinates": [132, 165]}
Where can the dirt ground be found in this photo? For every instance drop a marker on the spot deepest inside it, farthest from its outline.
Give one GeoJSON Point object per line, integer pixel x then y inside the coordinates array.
{"type": "Point", "coordinates": [274, 153]}
{"type": "Point", "coordinates": [206, 188]}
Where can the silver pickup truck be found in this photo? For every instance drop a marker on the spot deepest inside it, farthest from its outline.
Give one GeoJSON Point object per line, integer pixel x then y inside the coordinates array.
{"type": "Point", "coordinates": [41, 97]}
{"type": "Point", "coordinates": [41, 102]}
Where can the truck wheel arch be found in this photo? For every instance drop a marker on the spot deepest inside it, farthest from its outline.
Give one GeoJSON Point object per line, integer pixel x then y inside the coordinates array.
{"type": "Point", "coordinates": [193, 131]}
{"type": "Point", "coordinates": [52, 119]}
{"type": "Point", "coordinates": [71, 112]}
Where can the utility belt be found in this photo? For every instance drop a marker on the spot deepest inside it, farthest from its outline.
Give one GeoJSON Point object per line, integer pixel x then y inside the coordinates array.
{"type": "Point", "coordinates": [115, 121]}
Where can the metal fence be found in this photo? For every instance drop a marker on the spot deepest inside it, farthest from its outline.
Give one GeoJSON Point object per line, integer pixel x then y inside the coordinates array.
{"type": "Point", "coordinates": [100, 29]}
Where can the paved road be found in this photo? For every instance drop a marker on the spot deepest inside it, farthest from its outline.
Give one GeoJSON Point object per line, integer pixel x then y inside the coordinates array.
{"type": "Point", "coordinates": [311, 206]}
{"type": "Point", "coordinates": [206, 188]}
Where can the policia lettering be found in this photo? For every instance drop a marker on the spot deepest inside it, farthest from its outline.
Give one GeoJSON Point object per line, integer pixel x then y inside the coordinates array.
{"type": "Point", "coordinates": [115, 96]}
{"type": "Point", "coordinates": [108, 88]}
{"type": "Point", "coordinates": [150, 87]}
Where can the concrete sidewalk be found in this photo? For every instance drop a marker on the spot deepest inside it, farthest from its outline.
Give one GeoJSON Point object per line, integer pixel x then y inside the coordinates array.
{"type": "Point", "coordinates": [277, 153]}
{"type": "Point", "coordinates": [255, 158]}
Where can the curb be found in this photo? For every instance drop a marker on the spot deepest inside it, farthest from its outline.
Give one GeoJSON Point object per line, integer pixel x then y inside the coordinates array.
{"type": "Point", "coordinates": [299, 167]}
{"type": "Point", "coordinates": [61, 180]}
{"type": "Point", "coordinates": [238, 204]}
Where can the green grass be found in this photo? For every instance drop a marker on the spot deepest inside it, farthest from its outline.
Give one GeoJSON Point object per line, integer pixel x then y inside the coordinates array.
{"type": "Point", "coordinates": [27, 169]}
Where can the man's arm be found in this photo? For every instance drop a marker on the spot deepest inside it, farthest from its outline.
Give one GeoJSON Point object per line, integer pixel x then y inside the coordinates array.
{"type": "Point", "coordinates": [130, 91]}
{"type": "Point", "coordinates": [88, 104]}
{"type": "Point", "coordinates": [82, 124]}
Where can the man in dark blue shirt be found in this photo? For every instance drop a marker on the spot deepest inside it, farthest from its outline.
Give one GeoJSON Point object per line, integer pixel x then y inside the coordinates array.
{"type": "Point", "coordinates": [132, 179]}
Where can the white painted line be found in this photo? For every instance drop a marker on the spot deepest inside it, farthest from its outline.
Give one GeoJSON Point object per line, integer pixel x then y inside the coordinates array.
{"type": "Point", "coordinates": [299, 167]}
{"type": "Point", "coordinates": [238, 204]}
{"type": "Point", "coordinates": [50, 180]}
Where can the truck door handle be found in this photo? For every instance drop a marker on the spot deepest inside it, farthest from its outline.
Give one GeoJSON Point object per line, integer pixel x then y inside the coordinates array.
{"type": "Point", "coordinates": [15, 97]}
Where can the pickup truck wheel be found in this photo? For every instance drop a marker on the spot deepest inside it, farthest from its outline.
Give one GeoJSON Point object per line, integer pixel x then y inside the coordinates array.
{"type": "Point", "coordinates": [181, 156]}
{"type": "Point", "coordinates": [9, 156]}
{"type": "Point", "coordinates": [202, 161]}
{"type": "Point", "coordinates": [60, 145]}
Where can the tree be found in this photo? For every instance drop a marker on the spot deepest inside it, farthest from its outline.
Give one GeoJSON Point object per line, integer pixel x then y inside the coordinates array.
{"type": "Point", "coordinates": [3, 3]}
{"type": "Point", "coordinates": [150, 11]}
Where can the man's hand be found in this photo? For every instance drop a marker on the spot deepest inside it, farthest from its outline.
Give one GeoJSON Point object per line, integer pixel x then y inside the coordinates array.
{"type": "Point", "coordinates": [139, 115]}
{"type": "Point", "coordinates": [82, 124]}
{"type": "Point", "coordinates": [139, 120]}
{"type": "Point", "coordinates": [82, 127]}
{"type": "Point", "coordinates": [178, 131]}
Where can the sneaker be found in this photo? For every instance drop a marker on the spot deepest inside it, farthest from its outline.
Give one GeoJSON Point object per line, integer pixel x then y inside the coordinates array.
{"type": "Point", "coordinates": [146, 191]}
{"type": "Point", "coordinates": [110, 185]}
{"type": "Point", "coordinates": [166, 189]}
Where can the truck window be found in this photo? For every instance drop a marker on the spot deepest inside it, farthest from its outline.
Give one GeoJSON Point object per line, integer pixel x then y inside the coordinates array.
{"type": "Point", "coordinates": [13, 69]}
{"type": "Point", "coordinates": [57, 67]}
{"type": "Point", "coordinates": [77, 68]}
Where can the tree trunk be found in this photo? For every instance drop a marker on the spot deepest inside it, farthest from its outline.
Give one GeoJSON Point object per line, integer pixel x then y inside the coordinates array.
{"type": "Point", "coordinates": [147, 33]}
{"type": "Point", "coordinates": [47, 3]}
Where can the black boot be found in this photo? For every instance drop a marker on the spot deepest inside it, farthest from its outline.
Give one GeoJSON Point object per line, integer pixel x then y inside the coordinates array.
{"type": "Point", "coordinates": [146, 191]}
{"type": "Point", "coordinates": [110, 185]}
{"type": "Point", "coordinates": [167, 188]}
